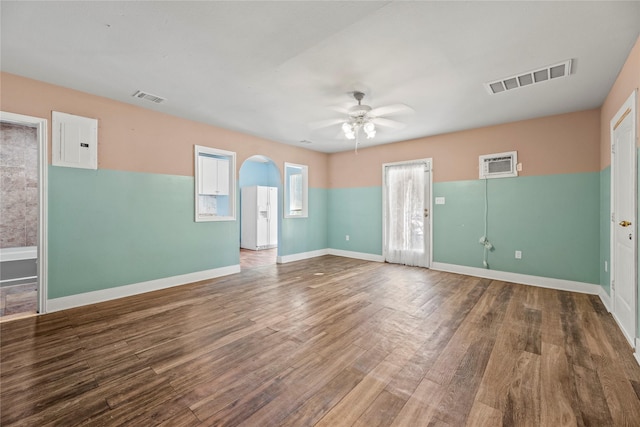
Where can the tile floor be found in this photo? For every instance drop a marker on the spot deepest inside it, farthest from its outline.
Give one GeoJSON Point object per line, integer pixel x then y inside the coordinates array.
{"type": "Point", "coordinates": [18, 301]}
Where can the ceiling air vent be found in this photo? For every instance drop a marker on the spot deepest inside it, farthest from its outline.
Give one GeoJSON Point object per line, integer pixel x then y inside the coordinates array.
{"type": "Point", "coordinates": [149, 97]}
{"type": "Point", "coordinates": [555, 71]}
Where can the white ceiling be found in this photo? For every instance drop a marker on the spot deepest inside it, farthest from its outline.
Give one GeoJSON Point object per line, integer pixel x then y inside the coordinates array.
{"type": "Point", "coordinates": [270, 68]}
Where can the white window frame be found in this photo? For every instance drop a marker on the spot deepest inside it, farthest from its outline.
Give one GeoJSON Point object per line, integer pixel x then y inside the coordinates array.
{"type": "Point", "coordinates": [304, 212]}
{"type": "Point", "coordinates": [231, 157]}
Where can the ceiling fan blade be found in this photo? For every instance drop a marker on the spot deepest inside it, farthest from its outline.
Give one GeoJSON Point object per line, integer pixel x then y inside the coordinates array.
{"type": "Point", "coordinates": [392, 109]}
{"type": "Point", "coordinates": [379, 121]}
{"type": "Point", "coordinates": [340, 109]}
{"type": "Point", "coordinates": [325, 123]}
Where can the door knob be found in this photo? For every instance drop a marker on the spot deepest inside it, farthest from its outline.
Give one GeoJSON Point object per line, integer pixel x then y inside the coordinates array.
{"type": "Point", "coordinates": [625, 223]}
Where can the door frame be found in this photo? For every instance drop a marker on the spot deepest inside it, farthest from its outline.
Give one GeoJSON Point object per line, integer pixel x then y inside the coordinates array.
{"type": "Point", "coordinates": [41, 125]}
{"type": "Point", "coordinates": [628, 109]}
{"type": "Point", "coordinates": [429, 162]}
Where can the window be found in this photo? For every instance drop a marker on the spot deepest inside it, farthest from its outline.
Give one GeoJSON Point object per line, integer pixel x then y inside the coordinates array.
{"type": "Point", "coordinates": [296, 191]}
{"type": "Point", "coordinates": [215, 184]}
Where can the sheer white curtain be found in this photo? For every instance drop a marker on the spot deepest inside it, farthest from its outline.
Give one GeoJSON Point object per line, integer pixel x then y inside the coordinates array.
{"type": "Point", "coordinates": [405, 233]}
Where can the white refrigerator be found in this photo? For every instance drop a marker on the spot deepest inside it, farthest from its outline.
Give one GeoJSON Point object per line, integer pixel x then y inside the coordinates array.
{"type": "Point", "coordinates": [259, 217]}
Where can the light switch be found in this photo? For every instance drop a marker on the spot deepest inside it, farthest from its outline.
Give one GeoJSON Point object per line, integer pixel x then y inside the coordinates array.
{"type": "Point", "coordinates": [439, 200]}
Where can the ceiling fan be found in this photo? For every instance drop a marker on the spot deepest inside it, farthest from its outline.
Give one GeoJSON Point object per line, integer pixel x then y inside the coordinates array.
{"type": "Point", "coordinates": [363, 118]}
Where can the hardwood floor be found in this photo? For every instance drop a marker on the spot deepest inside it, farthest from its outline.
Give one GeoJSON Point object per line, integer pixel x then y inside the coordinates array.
{"type": "Point", "coordinates": [253, 259]}
{"type": "Point", "coordinates": [328, 342]}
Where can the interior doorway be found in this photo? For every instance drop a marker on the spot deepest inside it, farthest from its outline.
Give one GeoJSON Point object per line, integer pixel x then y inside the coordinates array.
{"type": "Point", "coordinates": [23, 243]}
{"type": "Point", "coordinates": [260, 211]}
{"type": "Point", "coordinates": [407, 212]}
{"type": "Point", "coordinates": [623, 219]}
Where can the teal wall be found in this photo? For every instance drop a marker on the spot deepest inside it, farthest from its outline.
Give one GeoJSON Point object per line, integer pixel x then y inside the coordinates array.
{"type": "Point", "coordinates": [258, 173]}
{"type": "Point", "coordinates": [554, 220]}
{"type": "Point", "coordinates": [113, 228]}
{"type": "Point", "coordinates": [605, 227]}
{"type": "Point", "coordinates": [306, 234]}
{"type": "Point", "coordinates": [356, 212]}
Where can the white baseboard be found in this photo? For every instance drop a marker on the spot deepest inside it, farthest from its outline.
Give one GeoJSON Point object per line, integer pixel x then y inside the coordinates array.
{"type": "Point", "coordinates": [93, 297]}
{"type": "Point", "coordinates": [302, 255]}
{"type": "Point", "coordinates": [637, 352]}
{"type": "Point", "coordinates": [605, 298]}
{"type": "Point", "coordinates": [356, 255]}
{"type": "Point", "coordinates": [525, 279]}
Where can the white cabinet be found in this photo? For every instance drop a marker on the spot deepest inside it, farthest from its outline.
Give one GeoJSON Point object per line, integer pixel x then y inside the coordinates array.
{"type": "Point", "coordinates": [215, 184]}
{"type": "Point", "coordinates": [214, 176]}
{"type": "Point", "coordinates": [259, 218]}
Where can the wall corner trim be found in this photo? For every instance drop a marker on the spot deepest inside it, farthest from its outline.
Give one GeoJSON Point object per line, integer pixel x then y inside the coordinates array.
{"type": "Point", "coordinates": [605, 298]}
{"type": "Point", "coordinates": [356, 255]}
{"type": "Point", "coordinates": [524, 279]}
{"type": "Point", "coordinates": [71, 301]}
{"type": "Point", "coordinates": [300, 256]}
{"type": "Point", "coordinates": [637, 352]}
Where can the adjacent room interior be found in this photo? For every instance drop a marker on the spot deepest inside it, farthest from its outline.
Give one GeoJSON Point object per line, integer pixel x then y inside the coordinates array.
{"type": "Point", "coordinates": [319, 213]}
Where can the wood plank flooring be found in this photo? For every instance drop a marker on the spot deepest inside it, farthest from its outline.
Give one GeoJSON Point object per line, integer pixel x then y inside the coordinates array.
{"type": "Point", "coordinates": [324, 342]}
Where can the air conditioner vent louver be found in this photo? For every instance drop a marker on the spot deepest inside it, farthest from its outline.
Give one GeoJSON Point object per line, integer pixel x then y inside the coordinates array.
{"type": "Point", "coordinates": [550, 72]}
{"type": "Point", "coordinates": [149, 97]}
{"type": "Point", "coordinates": [499, 165]}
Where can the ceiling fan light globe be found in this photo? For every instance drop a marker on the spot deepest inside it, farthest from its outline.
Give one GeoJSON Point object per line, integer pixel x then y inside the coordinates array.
{"type": "Point", "coordinates": [369, 127]}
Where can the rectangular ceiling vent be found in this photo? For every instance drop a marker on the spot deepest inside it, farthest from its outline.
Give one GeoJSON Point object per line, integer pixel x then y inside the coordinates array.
{"type": "Point", "coordinates": [499, 165]}
{"type": "Point", "coordinates": [149, 97]}
{"type": "Point", "coordinates": [555, 71]}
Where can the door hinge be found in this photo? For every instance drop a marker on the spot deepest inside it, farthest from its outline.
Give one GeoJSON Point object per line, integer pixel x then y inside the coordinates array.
{"type": "Point", "coordinates": [613, 217]}
{"type": "Point", "coordinates": [613, 285]}
{"type": "Point", "coordinates": [613, 149]}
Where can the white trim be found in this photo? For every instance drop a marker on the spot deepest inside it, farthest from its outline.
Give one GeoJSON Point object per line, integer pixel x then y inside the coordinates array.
{"type": "Point", "coordinates": [283, 259]}
{"type": "Point", "coordinates": [18, 279]}
{"type": "Point", "coordinates": [356, 255]}
{"type": "Point", "coordinates": [43, 205]}
{"type": "Point", "coordinates": [636, 354]}
{"type": "Point", "coordinates": [102, 295]}
{"type": "Point", "coordinates": [524, 279]}
{"type": "Point", "coordinates": [18, 254]}
{"type": "Point", "coordinates": [605, 298]}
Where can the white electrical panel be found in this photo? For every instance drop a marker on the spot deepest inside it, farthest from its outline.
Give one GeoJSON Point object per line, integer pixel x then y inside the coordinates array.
{"type": "Point", "coordinates": [75, 141]}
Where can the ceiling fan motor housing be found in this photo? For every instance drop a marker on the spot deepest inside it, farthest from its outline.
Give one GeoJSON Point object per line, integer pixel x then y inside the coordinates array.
{"type": "Point", "coordinates": [359, 110]}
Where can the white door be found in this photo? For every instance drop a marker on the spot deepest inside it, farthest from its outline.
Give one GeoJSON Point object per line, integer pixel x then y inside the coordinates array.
{"type": "Point", "coordinates": [407, 212]}
{"type": "Point", "coordinates": [623, 192]}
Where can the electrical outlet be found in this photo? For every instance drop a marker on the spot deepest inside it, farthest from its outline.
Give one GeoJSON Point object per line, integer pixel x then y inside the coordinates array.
{"type": "Point", "coordinates": [518, 254]}
{"type": "Point", "coordinates": [346, 237]}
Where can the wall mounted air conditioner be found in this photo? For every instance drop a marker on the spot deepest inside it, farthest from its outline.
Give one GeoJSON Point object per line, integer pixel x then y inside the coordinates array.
{"type": "Point", "coordinates": [499, 165]}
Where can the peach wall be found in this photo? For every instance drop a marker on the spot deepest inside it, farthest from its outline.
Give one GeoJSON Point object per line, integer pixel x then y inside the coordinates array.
{"type": "Point", "coordinates": [566, 143]}
{"type": "Point", "coordinates": [626, 82]}
{"type": "Point", "coordinates": [135, 139]}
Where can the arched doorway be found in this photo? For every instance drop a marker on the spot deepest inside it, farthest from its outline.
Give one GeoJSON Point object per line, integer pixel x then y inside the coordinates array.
{"type": "Point", "coordinates": [260, 211]}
